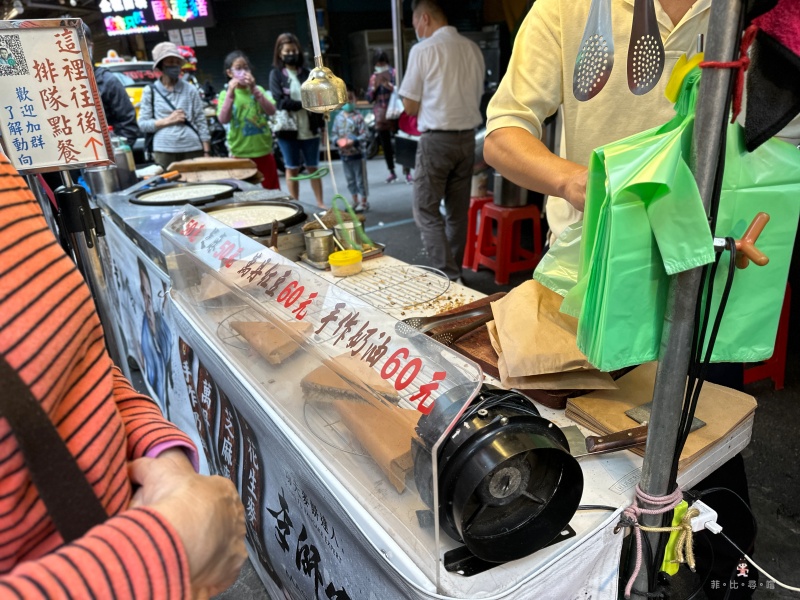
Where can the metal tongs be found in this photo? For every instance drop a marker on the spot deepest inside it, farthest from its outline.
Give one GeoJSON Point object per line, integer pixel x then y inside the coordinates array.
{"type": "Point", "coordinates": [412, 325]}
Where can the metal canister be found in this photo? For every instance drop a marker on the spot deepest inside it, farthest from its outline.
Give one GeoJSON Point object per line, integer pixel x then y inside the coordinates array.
{"type": "Point", "coordinates": [102, 180]}
{"type": "Point", "coordinates": [319, 244]}
{"type": "Point", "coordinates": [347, 230]}
{"type": "Point", "coordinates": [507, 193]}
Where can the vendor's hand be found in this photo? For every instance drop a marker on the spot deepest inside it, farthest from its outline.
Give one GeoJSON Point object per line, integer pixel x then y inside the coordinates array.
{"type": "Point", "coordinates": [206, 512]}
{"type": "Point", "coordinates": [575, 188]}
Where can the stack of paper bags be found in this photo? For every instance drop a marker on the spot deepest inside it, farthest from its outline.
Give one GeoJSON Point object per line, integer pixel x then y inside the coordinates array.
{"type": "Point", "coordinates": [722, 409]}
{"type": "Point", "coordinates": [535, 343]}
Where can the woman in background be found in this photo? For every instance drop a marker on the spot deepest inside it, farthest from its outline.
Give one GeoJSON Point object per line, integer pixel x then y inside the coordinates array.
{"type": "Point", "coordinates": [245, 106]}
{"type": "Point", "coordinates": [381, 86]}
{"type": "Point", "coordinates": [301, 146]}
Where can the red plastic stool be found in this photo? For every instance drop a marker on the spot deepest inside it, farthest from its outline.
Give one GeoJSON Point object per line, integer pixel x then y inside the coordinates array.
{"type": "Point", "coordinates": [775, 367]}
{"type": "Point", "coordinates": [503, 253]}
{"type": "Point", "coordinates": [475, 205]}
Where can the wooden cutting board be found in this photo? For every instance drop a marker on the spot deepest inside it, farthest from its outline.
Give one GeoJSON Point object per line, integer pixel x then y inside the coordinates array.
{"type": "Point", "coordinates": [212, 168]}
{"type": "Point", "coordinates": [476, 344]}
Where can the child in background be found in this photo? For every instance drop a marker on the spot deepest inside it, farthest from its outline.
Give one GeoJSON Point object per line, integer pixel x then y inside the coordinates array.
{"type": "Point", "coordinates": [350, 133]}
{"type": "Point", "coordinates": [245, 106]}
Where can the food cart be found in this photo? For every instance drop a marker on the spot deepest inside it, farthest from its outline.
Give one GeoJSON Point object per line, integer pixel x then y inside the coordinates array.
{"type": "Point", "coordinates": [328, 513]}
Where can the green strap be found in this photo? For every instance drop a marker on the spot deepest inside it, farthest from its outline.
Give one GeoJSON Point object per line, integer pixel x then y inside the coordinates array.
{"type": "Point", "coordinates": [358, 228]}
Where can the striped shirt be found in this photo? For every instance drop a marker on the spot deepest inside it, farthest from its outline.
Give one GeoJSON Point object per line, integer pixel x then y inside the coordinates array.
{"type": "Point", "coordinates": [175, 138]}
{"type": "Point", "coordinates": [50, 334]}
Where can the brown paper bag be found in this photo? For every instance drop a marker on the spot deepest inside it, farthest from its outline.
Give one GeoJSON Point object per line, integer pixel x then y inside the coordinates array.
{"type": "Point", "coordinates": [722, 409]}
{"type": "Point", "coordinates": [535, 337]}
{"type": "Point", "coordinates": [571, 380]}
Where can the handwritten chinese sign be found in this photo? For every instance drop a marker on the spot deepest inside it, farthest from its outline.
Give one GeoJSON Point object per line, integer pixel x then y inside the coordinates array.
{"type": "Point", "coordinates": [51, 115]}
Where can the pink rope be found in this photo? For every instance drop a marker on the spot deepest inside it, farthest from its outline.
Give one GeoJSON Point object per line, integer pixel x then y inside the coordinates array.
{"type": "Point", "coordinates": [630, 518]}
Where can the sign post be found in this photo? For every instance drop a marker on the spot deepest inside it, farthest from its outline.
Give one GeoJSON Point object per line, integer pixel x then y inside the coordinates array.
{"type": "Point", "coordinates": [52, 119]}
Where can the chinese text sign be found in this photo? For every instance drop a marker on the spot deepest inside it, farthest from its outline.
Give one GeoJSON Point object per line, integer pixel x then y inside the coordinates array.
{"type": "Point", "coordinates": [51, 115]}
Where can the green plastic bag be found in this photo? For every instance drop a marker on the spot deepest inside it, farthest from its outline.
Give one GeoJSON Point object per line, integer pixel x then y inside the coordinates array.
{"type": "Point", "coordinates": [766, 180]}
{"type": "Point", "coordinates": [644, 221]}
{"type": "Point", "coordinates": [558, 268]}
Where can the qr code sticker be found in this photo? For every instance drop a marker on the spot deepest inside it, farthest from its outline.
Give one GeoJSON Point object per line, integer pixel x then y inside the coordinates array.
{"type": "Point", "coordinates": [12, 58]}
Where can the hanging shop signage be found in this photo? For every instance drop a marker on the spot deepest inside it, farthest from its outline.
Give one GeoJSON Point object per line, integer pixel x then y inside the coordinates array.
{"type": "Point", "coordinates": [125, 17]}
{"type": "Point", "coordinates": [50, 106]}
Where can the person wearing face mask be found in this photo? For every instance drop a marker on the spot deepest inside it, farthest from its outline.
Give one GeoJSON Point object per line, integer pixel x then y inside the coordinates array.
{"type": "Point", "coordinates": [173, 110]}
{"type": "Point", "coordinates": [350, 134]}
{"type": "Point", "coordinates": [379, 91]}
{"type": "Point", "coordinates": [300, 147]}
{"type": "Point", "coordinates": [443, 88]}
{"type": "Point", "coordinates": [246, 108]}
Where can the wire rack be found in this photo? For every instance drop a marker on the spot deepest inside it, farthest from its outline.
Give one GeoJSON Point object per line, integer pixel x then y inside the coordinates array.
{"type": "Point", "coordinates": [399, 287]}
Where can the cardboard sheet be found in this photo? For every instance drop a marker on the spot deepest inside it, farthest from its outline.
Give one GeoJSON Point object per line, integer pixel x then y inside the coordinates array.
{"type": "Point", "coordinates": [722, 409]}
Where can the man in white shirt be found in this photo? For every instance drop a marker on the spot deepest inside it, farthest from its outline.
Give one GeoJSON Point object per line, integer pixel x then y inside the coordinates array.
{"type": "Point", "coordinates": [539, 81]}
{"type": "Point", "coordinates": [443, 88]}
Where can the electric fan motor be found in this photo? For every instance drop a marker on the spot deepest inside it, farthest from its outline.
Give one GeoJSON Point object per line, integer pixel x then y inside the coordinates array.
{"type": "Point", "coordinates": [507, 482]}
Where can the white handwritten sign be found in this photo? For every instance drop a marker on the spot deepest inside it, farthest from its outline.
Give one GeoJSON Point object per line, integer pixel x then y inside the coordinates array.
{"type": "Point", "coordinates": [51, 115]}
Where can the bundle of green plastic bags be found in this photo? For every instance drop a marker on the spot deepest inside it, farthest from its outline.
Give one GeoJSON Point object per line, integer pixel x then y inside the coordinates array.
{"type": "Point", "coordinates": [644, 222]}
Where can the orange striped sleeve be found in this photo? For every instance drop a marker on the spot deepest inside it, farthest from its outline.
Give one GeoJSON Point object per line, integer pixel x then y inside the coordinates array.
{"type": "Point", "coordinates": [51, 336]}
{"type": "Point", "coordinates": [144, 425]}
{"type": "Point", "coordinates": [134, 555]}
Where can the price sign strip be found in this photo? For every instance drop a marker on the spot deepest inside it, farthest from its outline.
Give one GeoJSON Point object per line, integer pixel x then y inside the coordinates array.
{"type": "Point", "coordinates": [419, 369]}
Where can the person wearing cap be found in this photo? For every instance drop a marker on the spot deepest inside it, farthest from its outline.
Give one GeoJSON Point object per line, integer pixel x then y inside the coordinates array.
{"type": "Point", "coordinates": [173, 110]}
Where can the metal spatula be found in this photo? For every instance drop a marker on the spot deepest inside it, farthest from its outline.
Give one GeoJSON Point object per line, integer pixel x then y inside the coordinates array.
{"type": "Point", "coordinates": [596, 54]}
{"type": "Point", "coordinates": [645, 51]}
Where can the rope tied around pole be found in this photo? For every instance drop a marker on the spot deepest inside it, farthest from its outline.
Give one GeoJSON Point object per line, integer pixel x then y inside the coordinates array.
{"type": "Point", "coordinates": [741, 65]}
{"type": "Point", "coordinates": [630, 518]}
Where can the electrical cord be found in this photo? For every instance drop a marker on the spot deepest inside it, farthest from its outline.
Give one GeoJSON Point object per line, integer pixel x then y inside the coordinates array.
{"type": "Point", "coordinates": [596, 507]}
{"type": "Point", "coordinates": [693, 495]}
{"type": "Point", "coordinates": [758, 568]}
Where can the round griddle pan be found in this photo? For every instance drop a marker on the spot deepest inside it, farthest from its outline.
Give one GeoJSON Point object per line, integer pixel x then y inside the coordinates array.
{"type": "Point", "coordinates": [258, 228]}
{"type": "Point", "coordinates": [194, 194]}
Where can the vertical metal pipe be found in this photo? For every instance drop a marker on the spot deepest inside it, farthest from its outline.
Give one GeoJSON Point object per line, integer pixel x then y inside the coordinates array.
{"type": "Point", "coordinates": [397, 38]}
{"type": "Point", "coordinates": [88, 262]}
{"type": "Point", "coordinates": [676, 342]}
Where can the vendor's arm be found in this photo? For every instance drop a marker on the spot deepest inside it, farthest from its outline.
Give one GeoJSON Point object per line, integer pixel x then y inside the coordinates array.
{"type": "Point", "coordinates": [531, 91]}
{"type": "Point", "coordinates": [522, 158]}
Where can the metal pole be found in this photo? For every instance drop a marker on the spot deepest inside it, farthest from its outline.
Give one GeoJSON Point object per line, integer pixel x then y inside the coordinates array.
{"type": "Point", "coordinates": [78, 222]}
{"type": "Point", "coordinates": [673, 366]}
{"type": "Point", "coordinates": [397, 38]}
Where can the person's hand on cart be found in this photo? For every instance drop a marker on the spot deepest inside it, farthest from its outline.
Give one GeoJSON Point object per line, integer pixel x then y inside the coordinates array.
{"type": "Point", "coordinates": [206, 512]}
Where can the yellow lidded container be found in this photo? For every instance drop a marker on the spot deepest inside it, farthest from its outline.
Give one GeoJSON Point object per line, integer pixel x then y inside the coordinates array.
{"type": "Point", "coordinates": [345, 262]}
